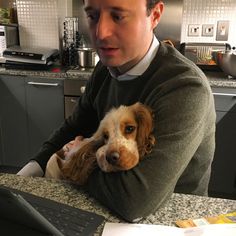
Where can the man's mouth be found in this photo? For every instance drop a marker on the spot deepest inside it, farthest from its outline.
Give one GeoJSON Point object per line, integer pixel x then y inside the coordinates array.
{"type": "Point", "coordinates": [108, 51]}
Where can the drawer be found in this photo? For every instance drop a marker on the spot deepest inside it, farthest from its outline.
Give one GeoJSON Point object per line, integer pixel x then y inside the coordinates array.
{"type": "Point", "coordinates": [70, 103]}
{"type": "Point", "coordinates": [74, 87]}
{"type": "Point", "coordinates": [225, 99]}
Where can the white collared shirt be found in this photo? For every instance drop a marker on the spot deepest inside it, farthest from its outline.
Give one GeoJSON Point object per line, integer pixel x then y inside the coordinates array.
{"type": "Point", "coordinates": [141, 66]}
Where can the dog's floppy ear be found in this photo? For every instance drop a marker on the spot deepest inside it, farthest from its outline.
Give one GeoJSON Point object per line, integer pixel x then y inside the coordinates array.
{"type": "Point", "coordinates": [81, 163]}
{"type": "Point", "coordinates": [144, 117]}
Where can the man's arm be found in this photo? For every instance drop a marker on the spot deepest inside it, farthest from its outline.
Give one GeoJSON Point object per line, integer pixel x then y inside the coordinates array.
{"type": "Point", "coordinates": [32, 168]}
{"type": "Point", "coordinates": [179, 130]}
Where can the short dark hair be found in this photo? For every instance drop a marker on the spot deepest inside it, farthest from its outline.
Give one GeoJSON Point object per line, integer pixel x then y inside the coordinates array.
{"type": "Point", "coordinates": [150, 4]}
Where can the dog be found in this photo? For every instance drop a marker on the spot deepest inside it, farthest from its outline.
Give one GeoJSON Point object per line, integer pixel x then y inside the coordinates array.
{"type": "Point", "coordinates": [122, 139]}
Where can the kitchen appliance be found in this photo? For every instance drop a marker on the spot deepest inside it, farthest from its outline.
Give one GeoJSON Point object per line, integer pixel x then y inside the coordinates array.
{"type": "Point", "coordinates": [8, 37]}
{"type": "Point", "coordinates": [227, 62]}
{"type": "Point", "coordinates": [31, 58]}
{"type": "Point", "coordinates": [204, 54]}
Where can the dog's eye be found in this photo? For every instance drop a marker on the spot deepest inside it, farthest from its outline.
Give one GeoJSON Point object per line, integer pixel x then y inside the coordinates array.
{"type": "Point", "coordinates": [129, 129]}
{"type": "Point", "coordinates": [105, 136]}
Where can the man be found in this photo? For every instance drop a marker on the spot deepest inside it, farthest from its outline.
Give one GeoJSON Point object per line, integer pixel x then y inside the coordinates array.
{"type": "Point", "coordinates": [135, 66]}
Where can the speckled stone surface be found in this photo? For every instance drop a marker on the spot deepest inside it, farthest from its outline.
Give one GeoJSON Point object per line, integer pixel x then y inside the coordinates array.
{"type": "Point", "coordinates": [79, 74]}
{"type": "Point", "coordinates": [219, 79]}
{"type": "Point", "coordinates": [216, 79]}
{"type": "Point", "coordinates": [180, 206]}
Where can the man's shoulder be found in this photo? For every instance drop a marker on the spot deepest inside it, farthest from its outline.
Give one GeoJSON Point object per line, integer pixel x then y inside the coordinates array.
{"type": "Point", "coordinates": [169, 65]}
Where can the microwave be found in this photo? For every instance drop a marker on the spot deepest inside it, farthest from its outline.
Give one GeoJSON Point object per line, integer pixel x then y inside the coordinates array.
{"type": "Point", "coordinates": [9, 36]}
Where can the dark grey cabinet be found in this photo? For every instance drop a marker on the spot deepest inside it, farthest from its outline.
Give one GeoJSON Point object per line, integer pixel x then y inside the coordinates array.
{"type": "Point", "coordinates": [30, 109]}
{"type": "Point", "coordinates": [223, 178]}
{"type": "Point", "coordinates": [13, 121]}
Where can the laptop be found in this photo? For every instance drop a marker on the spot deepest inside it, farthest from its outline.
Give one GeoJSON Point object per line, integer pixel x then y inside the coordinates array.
{"type": "Point", "coordinates": [25, 214]}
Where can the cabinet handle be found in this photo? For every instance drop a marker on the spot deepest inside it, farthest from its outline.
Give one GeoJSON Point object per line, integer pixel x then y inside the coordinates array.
{"type": "Point", "coordinates": [225, 94]}
{"type": "Point", "coordinates": [43, 84]}
{"type": "Point", "coordinates": [73, 100]}
{"type": "Point", "coordinates": [82, 89]}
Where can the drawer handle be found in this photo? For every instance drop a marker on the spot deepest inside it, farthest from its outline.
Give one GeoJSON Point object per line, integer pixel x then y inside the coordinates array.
{"type": "Point", "coordinates": [73, 100]}
{"type": "Point", "coordinates": [225, 94]}
{"type": "Point", "coordinates": [82, 89]}
{"type": "Point", "coordinates": [43, 84]}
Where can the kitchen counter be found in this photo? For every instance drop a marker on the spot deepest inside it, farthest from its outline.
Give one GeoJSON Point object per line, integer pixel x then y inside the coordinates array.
{"type": "Point", "coordinates": [219, 79]}
{"type": "Point", "coordinates": [180, 206]}
{"type": "Point", "coordinates": [216, 79]}
{"type": "Point", "coordinates": [56, 72]}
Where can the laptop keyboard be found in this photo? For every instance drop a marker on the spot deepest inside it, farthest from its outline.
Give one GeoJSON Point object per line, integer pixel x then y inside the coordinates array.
{"type": "Point", "coordinates": [68, 220]}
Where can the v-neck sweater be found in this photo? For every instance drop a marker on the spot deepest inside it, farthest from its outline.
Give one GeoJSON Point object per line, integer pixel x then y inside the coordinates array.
{"type": "Point", "coordinates": [180, 96]}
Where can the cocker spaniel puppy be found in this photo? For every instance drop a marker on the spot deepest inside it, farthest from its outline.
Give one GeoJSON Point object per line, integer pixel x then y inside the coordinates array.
{"type": "Point", "coordinates": [122, 139]}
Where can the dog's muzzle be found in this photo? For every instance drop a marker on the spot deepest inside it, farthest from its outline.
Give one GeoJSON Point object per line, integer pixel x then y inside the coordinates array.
{"type": "Point", "coordinates": [112, 158]}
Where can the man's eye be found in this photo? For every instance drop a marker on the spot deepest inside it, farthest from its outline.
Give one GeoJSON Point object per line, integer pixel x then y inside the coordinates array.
{"type": "Point", "coordinates": [93, 17]}
{"type": "Point", "coordinates": [129, 129]}
{"type": "Point", "coordinates": [117, 17]}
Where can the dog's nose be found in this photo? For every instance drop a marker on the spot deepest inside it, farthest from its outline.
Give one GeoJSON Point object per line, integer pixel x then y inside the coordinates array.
{"type": "Point", "coordinates": [112, 157]}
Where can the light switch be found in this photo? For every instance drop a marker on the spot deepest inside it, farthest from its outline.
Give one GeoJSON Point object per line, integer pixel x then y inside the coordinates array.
{"type": "Point", "coordinates": [222, 31]}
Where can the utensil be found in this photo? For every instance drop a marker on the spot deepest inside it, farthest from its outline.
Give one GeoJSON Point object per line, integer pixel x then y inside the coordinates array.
{"type": "Point", "coordinates": [227, 62]}
{"type": "Point", "coordinates": [87, 57]}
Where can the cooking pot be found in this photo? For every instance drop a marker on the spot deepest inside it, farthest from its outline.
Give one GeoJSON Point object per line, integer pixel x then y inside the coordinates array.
{"type": "Point", "coordinates": [227, 62]}
{"type": "Point", "coordinates": [87, 57]}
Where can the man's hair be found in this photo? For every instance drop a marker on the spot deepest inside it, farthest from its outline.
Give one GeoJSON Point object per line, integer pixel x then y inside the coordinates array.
{"type": "Point", "coordinates": [150, 4]}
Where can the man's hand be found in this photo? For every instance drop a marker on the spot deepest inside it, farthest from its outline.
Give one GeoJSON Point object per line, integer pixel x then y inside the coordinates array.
{"type": "Point", "coordinates": [72, 145]}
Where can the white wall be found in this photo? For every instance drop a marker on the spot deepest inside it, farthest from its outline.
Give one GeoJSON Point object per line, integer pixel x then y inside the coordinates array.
{"type": "Point", "coordinates": [201, 12]}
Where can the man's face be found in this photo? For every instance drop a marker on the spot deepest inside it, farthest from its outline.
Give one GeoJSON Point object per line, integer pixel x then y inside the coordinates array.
{"type": "Point", "coordinates": [121, 31]}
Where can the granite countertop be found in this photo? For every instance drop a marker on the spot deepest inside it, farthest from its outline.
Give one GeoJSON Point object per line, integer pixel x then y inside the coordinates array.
{"type": "Point", "coordinates": [180, 206]}
{"type": "Point", "coordinates": [56, 72]}
{"type": "Point", "coordinates": [216, 79]}
{"type": "Point", "coordinates": [219, 79]}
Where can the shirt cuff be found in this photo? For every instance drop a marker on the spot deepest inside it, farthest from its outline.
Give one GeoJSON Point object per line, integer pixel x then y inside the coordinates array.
{"type": "Point", "coordinates": [31, 169]}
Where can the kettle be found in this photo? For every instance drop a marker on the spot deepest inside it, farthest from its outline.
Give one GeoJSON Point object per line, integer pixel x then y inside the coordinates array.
{"type": "Point", "coordinates": [227, 62]}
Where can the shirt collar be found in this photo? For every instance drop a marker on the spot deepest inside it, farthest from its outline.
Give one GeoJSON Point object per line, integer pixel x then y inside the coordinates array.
{"type": "Point", "coordinates": [141, 66]}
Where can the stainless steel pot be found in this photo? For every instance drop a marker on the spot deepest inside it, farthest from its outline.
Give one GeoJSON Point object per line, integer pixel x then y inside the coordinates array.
{"type": "Point", "coordinates": [227, 62]}
{"type": "Point", "coordinates": [87, 57]}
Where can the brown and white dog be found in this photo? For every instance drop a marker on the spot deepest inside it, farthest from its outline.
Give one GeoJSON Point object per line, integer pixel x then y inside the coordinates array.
{"type": "Point", "coordinates": [122, 139]}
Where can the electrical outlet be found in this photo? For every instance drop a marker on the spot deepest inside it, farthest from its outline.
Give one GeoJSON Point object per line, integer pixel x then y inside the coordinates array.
{"type": "Point", "coordinates": [208, 30]}
{"type": "Point", "coordinates": [194, 30]}
{"type": "Point", "coordinates": [222, 31]}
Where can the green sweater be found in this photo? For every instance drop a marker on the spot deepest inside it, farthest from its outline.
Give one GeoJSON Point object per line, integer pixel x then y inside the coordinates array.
{"type": "Point", "coordinates": [183, 105]}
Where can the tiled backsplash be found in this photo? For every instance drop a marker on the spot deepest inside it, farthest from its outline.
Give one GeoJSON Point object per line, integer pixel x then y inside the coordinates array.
{"type": "Point", "coordinates": [204, 17]}
{"type": "Point", "coordinates": [38, 23]}
{"type": "Point", "coordinates": [41, 21]}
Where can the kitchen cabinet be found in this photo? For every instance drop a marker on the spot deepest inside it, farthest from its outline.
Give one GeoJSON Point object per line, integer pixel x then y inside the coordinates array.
{"type": "Point", "coordinates": [13, 121]}
{"type": "Point", "coordinates": [30, 109]}
{"type": "Point", "coordinates": [223, 177]}
{"type": "Point", "coordinates": [73, 89]}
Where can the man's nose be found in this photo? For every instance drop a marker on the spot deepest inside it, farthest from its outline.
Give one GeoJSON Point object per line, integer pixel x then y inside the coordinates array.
{"type": "Point", "coordinates": [104, 27]}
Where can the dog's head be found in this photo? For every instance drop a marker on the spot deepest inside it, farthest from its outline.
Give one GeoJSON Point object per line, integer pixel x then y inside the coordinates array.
{"type": "Point", "coordinates": [126, 133]}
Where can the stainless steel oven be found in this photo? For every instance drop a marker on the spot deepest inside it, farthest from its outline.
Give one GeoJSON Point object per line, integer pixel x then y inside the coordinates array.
{"type": "Point", "coordinates": [73, 89]}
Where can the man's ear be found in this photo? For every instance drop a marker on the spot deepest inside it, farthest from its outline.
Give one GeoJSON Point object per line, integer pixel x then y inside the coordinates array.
{"type": "Point", "coordinates": [156, 13]}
